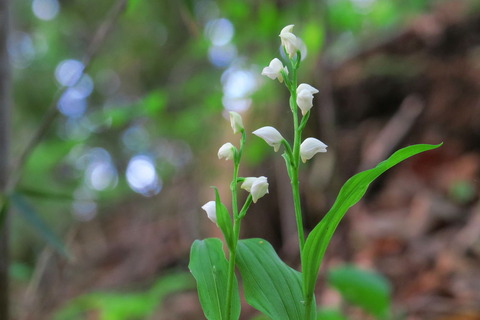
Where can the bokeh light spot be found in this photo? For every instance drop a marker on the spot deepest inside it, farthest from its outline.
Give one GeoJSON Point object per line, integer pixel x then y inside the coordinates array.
{"type": "Point", "coordinates": [219, 31]}
{"type": "Point", "coordinates": [45, 9]}
{"type": "Point", "coordinates": [68, 72]}
{"type": "Point", "coordinates": [142, 177]}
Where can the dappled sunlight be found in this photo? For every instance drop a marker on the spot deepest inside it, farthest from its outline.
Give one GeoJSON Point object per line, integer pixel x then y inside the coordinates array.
{"type": "Point", "coordinates": [142, 176]}
{"type": "Point", "coordinates": [68, 72]}
{"type": "Point", "coordinates": [45, 9]}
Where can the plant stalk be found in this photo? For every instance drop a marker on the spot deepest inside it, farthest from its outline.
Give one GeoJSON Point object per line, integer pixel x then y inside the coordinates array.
{"type": "Point", "coordinates": [4, 157]}
{"type": "Point", "coordinates": [236, 229]}
{"type": "Point", "coordinates": [231, 269]}
{"type": "Point", "coordinates": [296, 157]}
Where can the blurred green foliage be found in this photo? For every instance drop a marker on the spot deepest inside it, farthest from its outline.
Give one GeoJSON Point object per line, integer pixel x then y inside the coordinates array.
{"type": "Point", "coordinates": [366, 289]}
{"type": "Point", "coordinates": [156, 90]}
{"type": "Point", "coordinates": [128, 305]}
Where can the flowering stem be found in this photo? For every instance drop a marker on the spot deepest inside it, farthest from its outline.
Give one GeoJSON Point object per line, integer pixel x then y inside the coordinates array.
{"type": "Point", "coordinates": [293, 171]}
{"type": "Point", "coordinates": [245, 207]}
{"type": "Point", "coordinates": [231, 268]}
{"type": "Point", "coordinates": [236, 226]}
{"type": "Point", "coordinates": [308, 307]}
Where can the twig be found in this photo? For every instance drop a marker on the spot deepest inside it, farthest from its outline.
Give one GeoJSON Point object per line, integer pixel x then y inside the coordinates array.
{"type": "Point", "coordinates": [95, 45]}
{"type": "Point", "coordinates": [4, 155]}
{"type": "Point", "coordinates": [395, 130]}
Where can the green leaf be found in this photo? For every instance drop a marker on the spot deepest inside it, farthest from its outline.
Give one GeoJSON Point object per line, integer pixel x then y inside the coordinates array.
{"type": "Point", "coordinates": [28, 212]}
{"type": "Point", "coordinates": [366, 289]}
{"type": "Point", "coordinates": [50, 195]}
{"type": "Point", "coordinates": [210, 269]}
{"type": "Point", "coordinates": [351, 192]}
{"type": "Point", "coordinates": [270, 285]}
{"type": "Point", "coordinates": [223, 220]}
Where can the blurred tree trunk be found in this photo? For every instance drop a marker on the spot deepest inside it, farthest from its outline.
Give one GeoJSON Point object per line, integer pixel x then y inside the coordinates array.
{"type": "Point", "coordinates": [4, 155]}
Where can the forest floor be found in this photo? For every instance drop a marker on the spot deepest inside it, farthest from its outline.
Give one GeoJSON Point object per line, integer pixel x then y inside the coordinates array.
{"type": "Point", "coordinates": [419, 225]}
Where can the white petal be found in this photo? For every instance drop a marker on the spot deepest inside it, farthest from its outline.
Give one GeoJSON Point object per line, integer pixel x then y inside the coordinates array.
{"type": "Point", "coordinates": [270, 135]}
{"type": "Point", "coordinates": [267, 71]}
{"type": "Point", "coordinates": [306, 87]}
{"type": "Point", "coordinates": [310, 147]}
{"type": "Point", "coordinates": [236, 121]}
{"type": "Point", "coordinates": [304, 101]}
{"type": "Point", "coordinates": [226, 151]}
{"type": "Point", "coordinates": [289, 40]}
{"type": "Point", "coordinates": [305, 97]}
{"type": "Point", "coordinates": [210, 209]}
{"type": "Point", "coordinates": [259, 188]}
{"type": "Point", "coordinates": [287, 29]}
{"type": "Point", "coordinates": [273, 71]}
{"type": "Point", "coordinates": [247, 183]}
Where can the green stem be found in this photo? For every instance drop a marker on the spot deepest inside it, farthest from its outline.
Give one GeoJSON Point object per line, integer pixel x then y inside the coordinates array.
{"type": "Point", "coordinates": [245, 207]}
{"type": "Point", "coordinates": [298, 208]}
{"type": "Point", "coordinates": [308, 307]}
{"type": "Point", "coordinates": [231, 268]}
{"type": "Point", "coordinates": [296, 159]}
{"type": "Point", "coordinates": [236, 228]}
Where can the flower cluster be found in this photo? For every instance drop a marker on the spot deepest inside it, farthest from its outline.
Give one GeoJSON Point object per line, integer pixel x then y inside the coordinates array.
{"type": "Point", "coordinates": [302, 97]}
{"type": "Point", "coordinates": [303, 94]}
{"type": "Point", "coordinates": [256, 186]}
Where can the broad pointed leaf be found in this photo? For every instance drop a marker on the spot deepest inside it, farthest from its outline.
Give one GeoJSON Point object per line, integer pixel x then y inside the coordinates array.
{"type": "Point", "coordinates": [271, 286]}
{"type": "Point", "coordinates": [210, 269]}
{"type": "Point", "coordinates": [351, 192]}
{"type": "Point", "coordinates": [224, 221]}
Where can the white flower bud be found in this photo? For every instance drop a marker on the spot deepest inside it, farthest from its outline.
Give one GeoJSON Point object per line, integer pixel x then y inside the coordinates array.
{"type": "Point", "coordinates": [227, 151]}
{"type": "Point", "coordinates": [270, 135]}
{"type": "Point", "coordinates": [274, 70]}
{"type": "Point", "coordinates": [247, 183]}
{"type": "Point", "coordinates": [236, 122]}
{"type": "Point", "coordinates": [258, 187]}
{"type": "Point", "coordinates": [210, 209]}
{"type": "Point", "coordinates": [310, 147]}
{"type": "Point", "coordinates": [289, 41]}
{"type": "Point", "coordinates": [305, 94]}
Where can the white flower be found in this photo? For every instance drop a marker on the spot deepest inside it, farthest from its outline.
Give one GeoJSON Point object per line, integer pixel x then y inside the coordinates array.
{"type": "Point", "coordinates": [226, 151]}
{"type": "Point", "coordinates": [236, 122]}
{"type": "Point", "coordinates": [258, 187]}
{"type": "Point", "coordinates": [210, 209]}
{"type": "Point", "coordinates": [274, 70]}
{"type": "Point", "coordinates": [289, 41]}
{"type": "Point", "coordinates": [305, 94]}
{"type": "Point", "coordinates": [270, 135]}
{"type": "Point", "coordinates": [310, 147]}
{"type": "Point", "coordinates": [247, 183]}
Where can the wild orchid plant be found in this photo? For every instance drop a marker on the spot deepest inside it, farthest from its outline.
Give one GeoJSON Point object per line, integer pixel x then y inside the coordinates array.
{"type": "Point", "coordinates": [271, 286]}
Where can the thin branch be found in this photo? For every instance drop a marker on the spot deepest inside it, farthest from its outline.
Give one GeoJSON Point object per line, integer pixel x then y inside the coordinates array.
{"type": "Point", "coordinates": [52, 113]}
{"type": "Point", "coordinates": [394, 131]}
{"type": "Point", "coordinates": [4, 155]}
